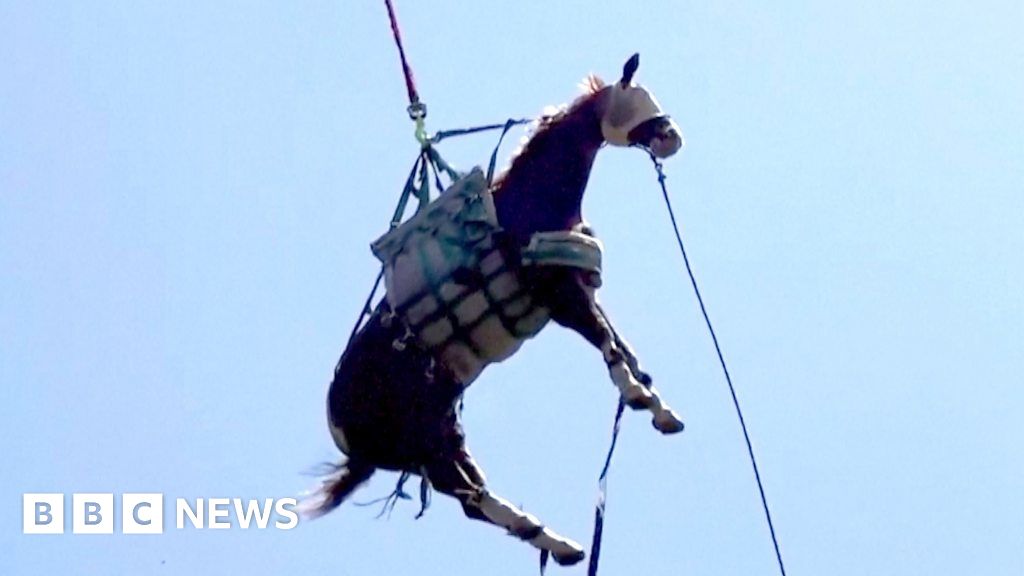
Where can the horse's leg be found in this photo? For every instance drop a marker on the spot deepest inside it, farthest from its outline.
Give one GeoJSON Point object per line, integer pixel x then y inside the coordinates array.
{"type": "Point", "coordinates": [632, 362]}
{"type": "Point", "coordinates": [665, 419]}
{"type": "Point", "coordinates": [462, 479]}
{"type": "Point", "coordinates": [573, 304]}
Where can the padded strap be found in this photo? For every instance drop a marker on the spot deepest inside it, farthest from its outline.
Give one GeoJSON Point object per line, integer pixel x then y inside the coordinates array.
{"type": "Point", "coordinates": [564, 248]}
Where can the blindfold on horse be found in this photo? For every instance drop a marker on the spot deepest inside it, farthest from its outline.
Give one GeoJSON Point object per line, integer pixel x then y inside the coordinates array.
{"type": "Point", "coordinates": [485, 267]}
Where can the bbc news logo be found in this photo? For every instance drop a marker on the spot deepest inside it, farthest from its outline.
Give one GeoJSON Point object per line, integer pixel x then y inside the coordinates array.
{"type": "Point", "coordinates": [143, 513]}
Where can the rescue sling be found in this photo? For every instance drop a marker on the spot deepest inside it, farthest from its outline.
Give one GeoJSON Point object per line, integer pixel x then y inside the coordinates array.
{"type": "Point", "coordinates": [456, 291]}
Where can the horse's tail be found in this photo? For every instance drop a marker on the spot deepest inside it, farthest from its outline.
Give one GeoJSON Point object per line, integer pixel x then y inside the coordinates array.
{"type": "Point", "coordinates": [336, 486]}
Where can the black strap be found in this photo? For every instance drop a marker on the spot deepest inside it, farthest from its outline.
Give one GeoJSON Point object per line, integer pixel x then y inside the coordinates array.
{"type": "Point", "coordinates": [408, 190]}
{"type": "Point", "coordinates": [443, 134]}
{"type": "Point", "coordinates": [595, 544]}
{"type": "Point", "coordinates": [494, 155]}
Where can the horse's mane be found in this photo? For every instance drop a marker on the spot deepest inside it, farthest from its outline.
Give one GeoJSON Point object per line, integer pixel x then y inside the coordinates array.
{"type": "Point", "coordinates": [591, 87]}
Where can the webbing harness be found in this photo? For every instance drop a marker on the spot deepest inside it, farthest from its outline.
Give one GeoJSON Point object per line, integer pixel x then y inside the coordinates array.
{"type": "Point", "coordinates": [457, 291]}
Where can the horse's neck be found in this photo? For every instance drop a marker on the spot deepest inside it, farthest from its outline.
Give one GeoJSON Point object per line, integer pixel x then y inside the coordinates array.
{"type": "Point", "coordinates": [543, 190]}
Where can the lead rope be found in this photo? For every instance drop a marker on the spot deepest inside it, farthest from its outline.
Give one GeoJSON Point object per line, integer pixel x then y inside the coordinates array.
{"type": "Point", "coordinates": [721, 359]}
{"type": "Point", "coordinates": [595, 546]}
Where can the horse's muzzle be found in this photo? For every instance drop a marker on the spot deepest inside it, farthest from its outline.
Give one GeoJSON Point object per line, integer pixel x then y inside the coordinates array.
{"type": "Point", "coordinates": [660, 135]}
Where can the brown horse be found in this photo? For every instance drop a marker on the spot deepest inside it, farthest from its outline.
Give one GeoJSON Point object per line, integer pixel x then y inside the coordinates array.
{"type": "Point", "coordinates": [394, 400]}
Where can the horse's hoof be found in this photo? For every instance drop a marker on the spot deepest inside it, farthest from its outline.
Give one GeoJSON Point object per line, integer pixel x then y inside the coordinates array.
{"type": "Point", "coordinates": [569, 558]}
{"type": "Point", "coordinates": [565, 551]}
{"type": "Point", "coordinates": [668, 422]}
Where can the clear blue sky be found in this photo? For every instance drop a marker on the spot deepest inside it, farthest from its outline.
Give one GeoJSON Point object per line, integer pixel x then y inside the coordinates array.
{"type": "Point", "coordinates": [187, 194]}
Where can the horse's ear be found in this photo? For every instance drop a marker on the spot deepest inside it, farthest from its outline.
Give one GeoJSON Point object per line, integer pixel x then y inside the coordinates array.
{"type": "Point", "coordinates": [629, 69]}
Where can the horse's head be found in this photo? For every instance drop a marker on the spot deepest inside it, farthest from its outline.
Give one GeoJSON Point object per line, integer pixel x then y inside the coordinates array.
{"type": "Point", "coordinates": [543, 188]}
{"type": "Point", "coordinates": [632, 117]}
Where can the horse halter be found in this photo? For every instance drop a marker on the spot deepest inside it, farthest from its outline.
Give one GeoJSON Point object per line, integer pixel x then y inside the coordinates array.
{"type": "Point", "coordinates": [634, 118]}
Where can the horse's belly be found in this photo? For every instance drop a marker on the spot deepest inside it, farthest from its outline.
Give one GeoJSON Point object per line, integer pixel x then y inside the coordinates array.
{"type": "Point", "coordinates": [382, 406]}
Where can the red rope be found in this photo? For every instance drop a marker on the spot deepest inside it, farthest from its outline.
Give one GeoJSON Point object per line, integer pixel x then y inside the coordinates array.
{"type": "Point", "coordinates": [410, 82]}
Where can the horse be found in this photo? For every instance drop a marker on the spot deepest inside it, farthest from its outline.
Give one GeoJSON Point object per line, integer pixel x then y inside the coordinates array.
{"type": "Point", "coordinates": [394, 402]}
